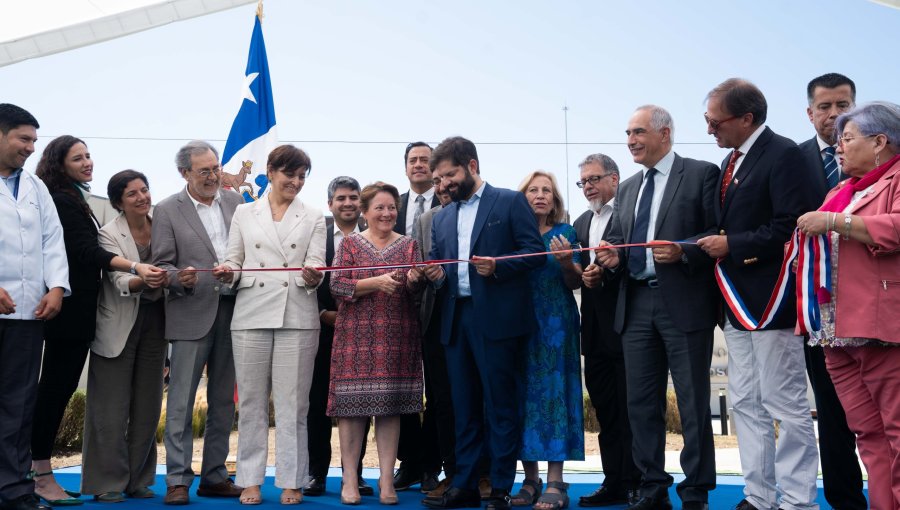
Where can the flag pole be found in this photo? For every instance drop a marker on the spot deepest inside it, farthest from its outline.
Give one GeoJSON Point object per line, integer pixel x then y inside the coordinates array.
{"type": "Point", "coordinates": [259, 10]}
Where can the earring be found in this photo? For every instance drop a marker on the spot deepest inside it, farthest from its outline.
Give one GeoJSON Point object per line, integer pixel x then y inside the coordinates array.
{"type": "Point", "coordinates": [877, 160]}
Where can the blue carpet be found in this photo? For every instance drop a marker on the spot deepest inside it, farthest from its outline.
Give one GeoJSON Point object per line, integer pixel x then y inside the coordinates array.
{"type": "Point", "coordinates": [728, 493]}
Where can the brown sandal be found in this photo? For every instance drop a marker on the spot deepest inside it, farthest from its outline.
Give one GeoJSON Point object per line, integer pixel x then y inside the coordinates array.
{"type": "Point", "coordinates": [527, 497]}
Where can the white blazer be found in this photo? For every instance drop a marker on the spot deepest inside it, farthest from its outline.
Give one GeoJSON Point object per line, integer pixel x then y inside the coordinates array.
{"type": "Point", "coordinates": [275, 299]}
{"type": "Point", "coordinates": [117, 309]}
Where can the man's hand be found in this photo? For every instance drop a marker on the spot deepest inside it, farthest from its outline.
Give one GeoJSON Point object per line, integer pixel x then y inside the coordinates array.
{"type": "Point", "coordinates": [607, 257]}
{"type": "Point", "coordinates": [592, 275]}
{"type": "Point", "coordinates": [714, 246]}
{"type": "Point", "coordinates": [223, 273]}
{"type": "Point", "coordinates": [7, 305]}
{"type": "Point", "coordinates": [667, 253]}
{"type": "Point", "coordinates": [188, 277]}
{"type": "Point", "coordinates": [434, 272]}
{"type": "Point", "coordinates": [153, 276]}
{"type": "Point", "coordinates": [50, 304]}
{"type": "Point", "coordinates": [484, 265]}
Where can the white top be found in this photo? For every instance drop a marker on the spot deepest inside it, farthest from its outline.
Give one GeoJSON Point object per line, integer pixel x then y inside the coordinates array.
{"type": "Point", "coordinates": [745, 148]}
{"type": "Point", "coordinates": [465, 223]}
{"type": "Point", "coordinates": [32, 251]}
{"type": "Point", "coordinates": [599, 222]}
{"type": "Point", "coordinates": [214, 223]}
{"type": "Point", "coordinates": [339, 235]}
{"type": "Point", "coordinates": [660, 178]}
{"type": "Point", "coordinates": [411, 207]}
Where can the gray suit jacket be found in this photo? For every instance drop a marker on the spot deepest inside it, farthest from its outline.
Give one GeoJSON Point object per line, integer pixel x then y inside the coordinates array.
{"type": "Point", "coordinates": [179, 241]}
{"type": "Point", "coordinates": [423, 237]}
{"type": "Point", "coordinates": [685, 212]}
{"type": "Point", "coordinates": [117, 308]}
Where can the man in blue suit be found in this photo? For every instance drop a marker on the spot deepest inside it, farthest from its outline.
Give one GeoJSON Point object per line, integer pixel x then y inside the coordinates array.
{"type": "Point", "coordinates": [486, 315]}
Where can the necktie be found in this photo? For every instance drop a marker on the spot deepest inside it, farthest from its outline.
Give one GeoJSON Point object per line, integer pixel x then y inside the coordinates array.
{"type": "Point", "coordinates": [832, 173]}
{"type": "Point", "coordinates": [729, 172]}
{"type": "Point", "coordinates": [420, 208]}
{"type": "Point", "coordinates": [637, 257]}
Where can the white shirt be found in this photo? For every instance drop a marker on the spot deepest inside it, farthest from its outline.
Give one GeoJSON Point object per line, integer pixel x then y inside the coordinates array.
{"type": "Point", "coordinates": [214, 223]}
{"type": "Point", "coordinates": [660, 178]}
{"type": "Point", "coordinates": [339, 235]}
{"type": "Point", "coordinates": [465, 223]}
{"type": "Point", "coordinates": [599, 222]}
{"type": "Point", "coordinates": [32, 251]}
{"type": "Point", "coordinates": [411, 207]}
{"type": "Point", "coordinates": [745, 148]}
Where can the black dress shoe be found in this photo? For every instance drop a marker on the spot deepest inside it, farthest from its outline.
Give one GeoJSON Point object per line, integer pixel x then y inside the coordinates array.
{"type": "Point", "coordinates": [499, 500]}
{"type": "Point", "coordinates": [429, 482]}
{"type": "Point", "coordinates": [455, 497]}
{"type": "Point", "coordinates": [604, 496]}
{"type": "Point", "coordinates": [26, 502]}
{"type": "Point", "coordinates": [694, 505]}
{"type": "Point", "coordinates": [364, 488]}
{"type": "Point", "coordinates": [648, 503]}
{"type": "Point", "coordinates": [315, 487]}
{"type": "Point", "coordinates": [405, 478]}
{"type": "Point", "coordinates": [632, 495]}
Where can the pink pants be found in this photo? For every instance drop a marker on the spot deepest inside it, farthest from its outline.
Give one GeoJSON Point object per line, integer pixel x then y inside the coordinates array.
{"type": "Point", "coordinates": [867, 380]}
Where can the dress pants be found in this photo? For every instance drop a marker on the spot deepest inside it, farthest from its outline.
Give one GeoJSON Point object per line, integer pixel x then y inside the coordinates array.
{"type": "Point", "coordinates": [653, 347]}
{"type": "Point", "coordinates": [20, 364]}
{"type": "Point", "coordinates": [841, 476]}
{"type": "Point", "coordinates": [868, 383]}
{"type": "Point", "coordinates": [484, 382]}
{"type": "Point", "coordinates": [124, 395]}
{"type": "Point", "coordinates": [767, 383]}
{"type": "Point", "coordinates": [278, 362]}
{"type": "Point", "coordinates": [186, 362]}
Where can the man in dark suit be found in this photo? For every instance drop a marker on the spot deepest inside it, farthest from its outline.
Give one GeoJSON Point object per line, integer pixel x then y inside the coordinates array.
{"type": "Point", "coordinates": [343, 202]}
{"type": "Point", "coordinates": [601, 345]}
{"type": "Point", "coordinates": [765, 185]}
{"type": "Point", "coordinates": [666, 309]}
{"type": "Point", "coordinates": [830, 95]}
{"type": "Point", "coordinates": [486, 316]}
{"type": "Point", "coordinates": [419, 447]}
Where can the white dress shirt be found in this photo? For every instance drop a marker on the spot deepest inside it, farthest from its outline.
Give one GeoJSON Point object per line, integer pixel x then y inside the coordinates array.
{"type": "Point", "coordinates": [824, 145]}
{"type": "Point", "coordinates": [745, 148]}
{"type": "Point", "coordinates": [660, 178]}
{"type": "Point", "coordinates": [339, 236]}
{"type": "Point", "coordinates": [32, 251]}
{"type": "Point", "coordinates": [214, 223]}
{"type": "Point", "coordinates": [465, 223]}
{"type": "Point", "coordinates": [599, 222]}
{"type": "Point", "coordinates": [411, 207]}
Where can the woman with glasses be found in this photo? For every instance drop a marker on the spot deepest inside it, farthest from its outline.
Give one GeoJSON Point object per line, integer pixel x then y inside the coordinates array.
{"type": "Point", "coordinates": [551, 402]}
{"type": "Point", "coordinates": [860, 323]}
{"type": "Point", "coordinates": [67, 169]}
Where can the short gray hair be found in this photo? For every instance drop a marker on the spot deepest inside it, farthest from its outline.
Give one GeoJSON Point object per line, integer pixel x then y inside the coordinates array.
{"type": "Point", "coordinates": [193, 148]}
{"type": "Point", "coordinates": [603, 160]}
{"type": "Point", "coordinates": [342, 182]}
{"type": "Point", "coordinates": [875, 118]}
{"type": "Point", "coordinates": [659, 118]}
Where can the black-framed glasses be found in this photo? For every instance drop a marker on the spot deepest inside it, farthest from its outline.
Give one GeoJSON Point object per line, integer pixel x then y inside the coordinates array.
{"type": "Point", "coordinates": [592, 180]}
{"type": "Point", "coordinates": [714, 124]}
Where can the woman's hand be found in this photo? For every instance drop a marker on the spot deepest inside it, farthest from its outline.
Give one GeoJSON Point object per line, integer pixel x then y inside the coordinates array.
{"type": "Point", "coordinates": [152, 276]}
{"type": "Point", "coordinates": [312, 276]}
{"type": "Point", "coordinates": [813, 223]}
{"type": "Point", "coordinates": [387, 283]}
{"type": "Point", "coordinates": [223, 273]}
{"type": "Point", "coordinates": [561, 249]}
{"type": "Point", "coordinates": [415, 274]}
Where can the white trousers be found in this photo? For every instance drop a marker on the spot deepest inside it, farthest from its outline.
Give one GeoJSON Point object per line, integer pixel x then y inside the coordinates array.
{"type": "Point", "coordinates": [280, 362]}
{"type": "Point", "coordinates": [767, 384]}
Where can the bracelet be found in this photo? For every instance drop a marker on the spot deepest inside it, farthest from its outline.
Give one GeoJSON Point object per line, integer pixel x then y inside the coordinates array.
{"type": "Point", "coordinates": [829, 223]}
{"type": "Point", "coordinates": [848, 225]}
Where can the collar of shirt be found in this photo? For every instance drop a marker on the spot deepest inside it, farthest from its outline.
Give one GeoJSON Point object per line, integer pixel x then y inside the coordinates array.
{"type": "Point", "coordinates": [12, 180]}
{"type": "Point", "coordinates": [339, 234]}
{"type": "Point", "coordinates": [429, 196]}
{"type": "Point", "coordinates": [748, 143]}
{"type": "Point", "coordinates": [823, 144]}
{"type": "Point", "coordinates": [606, 207]}
{"type": "Point", "coordinates": [477, 193]}
{"type": "Point", "coordinates": [198, 203]}
{"type": "Point", "coordinates": [664, 165]}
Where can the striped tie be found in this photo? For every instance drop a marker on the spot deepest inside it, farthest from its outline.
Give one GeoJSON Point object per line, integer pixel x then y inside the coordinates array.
{"type": "Point", "coordinates": [832, 172]}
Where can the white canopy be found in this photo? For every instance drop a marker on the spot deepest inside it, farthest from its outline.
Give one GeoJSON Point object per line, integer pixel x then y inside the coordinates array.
{"type": "Point", "coordinates": [34, 28]}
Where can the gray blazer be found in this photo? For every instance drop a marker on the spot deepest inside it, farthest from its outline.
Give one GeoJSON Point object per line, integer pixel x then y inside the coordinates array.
{"type": "Point", "coordinates": [423, 237]}
{"type": "Point", "coordinates": [117, 308]}
{"type": "Point", "coordinates": [179, 241]}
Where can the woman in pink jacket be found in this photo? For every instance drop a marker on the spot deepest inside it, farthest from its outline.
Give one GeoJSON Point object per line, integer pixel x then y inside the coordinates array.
{"type": "Point", "coordinates": [860, 325]}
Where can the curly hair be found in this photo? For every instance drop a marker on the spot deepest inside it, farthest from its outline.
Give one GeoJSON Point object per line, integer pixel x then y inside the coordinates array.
{"type": "Point", "coordinates": [52, 168]}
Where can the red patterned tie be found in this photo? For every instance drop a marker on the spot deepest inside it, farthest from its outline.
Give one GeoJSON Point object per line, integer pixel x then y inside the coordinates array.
{"type": "Point", "coordinates": [729, 172]}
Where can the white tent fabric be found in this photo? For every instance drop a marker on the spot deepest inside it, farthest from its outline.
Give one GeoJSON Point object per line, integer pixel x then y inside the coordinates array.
{"type": "Point", "coordinates": [34, 28]}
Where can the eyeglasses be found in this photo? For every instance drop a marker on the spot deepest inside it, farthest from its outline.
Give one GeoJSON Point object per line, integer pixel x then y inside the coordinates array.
{"type": "Point", "coordinates": [592, 180]}
{"type": "Point", "coordinates": [714, 124]}
{"type": "Point", "coordinates": [844, 139]}
{"type": "Point", "coordinates": [206, 172]}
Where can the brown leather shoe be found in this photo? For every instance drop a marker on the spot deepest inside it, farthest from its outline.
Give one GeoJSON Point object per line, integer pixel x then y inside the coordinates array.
{"type": "Point", "coordinates": [441, 488]}
{"type": "Point", "coordinates": [177, 495]}
{"type": "Point", "coordinates": [224, 489]}
{"type": "Point", "coordinates": [484, 487]}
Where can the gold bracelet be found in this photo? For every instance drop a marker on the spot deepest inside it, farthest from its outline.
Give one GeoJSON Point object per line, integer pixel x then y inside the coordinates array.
{"type": "Point", "coordinates": [848, 224]}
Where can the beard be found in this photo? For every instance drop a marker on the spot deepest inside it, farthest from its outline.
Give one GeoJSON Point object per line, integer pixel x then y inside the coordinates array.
{"type": "Point", "coordinates": [597, 204]}
{"type": "Point", "coordinates": [464, 189]}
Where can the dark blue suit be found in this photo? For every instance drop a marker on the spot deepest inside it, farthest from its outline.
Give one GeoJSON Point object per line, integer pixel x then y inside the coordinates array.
{"type": "Point", "coordinates": [484, 333]}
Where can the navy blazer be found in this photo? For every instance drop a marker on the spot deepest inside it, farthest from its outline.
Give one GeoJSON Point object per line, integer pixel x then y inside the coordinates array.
{"type": "Point", "coordinates": [774, 185]}
{"type": "Point", "coordinates": [400, 226]}
{"type": "Point", "coordinates": [504, 225]}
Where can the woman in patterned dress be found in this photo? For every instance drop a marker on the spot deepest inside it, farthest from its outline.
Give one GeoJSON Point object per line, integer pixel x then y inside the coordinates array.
{"type": "Point", "coordinates": [376, 358]}
{"type": "Point", "coordinates": [552, 421]}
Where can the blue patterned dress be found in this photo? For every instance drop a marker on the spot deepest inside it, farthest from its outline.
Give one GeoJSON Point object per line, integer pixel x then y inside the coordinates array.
{"type": "Point", "coordinates": [552, 406]}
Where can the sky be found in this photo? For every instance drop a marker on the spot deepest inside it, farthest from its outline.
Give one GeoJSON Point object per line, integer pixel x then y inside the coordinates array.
{"type": "Point", "coordinates": [355, 81]}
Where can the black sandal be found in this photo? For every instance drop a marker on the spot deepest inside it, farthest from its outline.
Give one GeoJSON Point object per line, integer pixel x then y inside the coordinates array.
{"type": "Point", "coordinates": [527, 497]}
{"type": "Point", "coordinates": [556, 500]}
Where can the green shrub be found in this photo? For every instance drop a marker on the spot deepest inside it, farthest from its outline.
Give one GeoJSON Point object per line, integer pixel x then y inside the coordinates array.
{"type": "Point", "coordinates": [71, 430]}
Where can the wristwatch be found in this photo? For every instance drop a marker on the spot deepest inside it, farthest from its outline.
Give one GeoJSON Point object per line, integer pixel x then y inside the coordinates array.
{"type": "Point", "coordinates": [133, 267]}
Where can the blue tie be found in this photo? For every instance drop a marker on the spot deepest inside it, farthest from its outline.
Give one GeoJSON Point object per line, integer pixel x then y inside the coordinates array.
{"type": "Point", "coordinates": [637, 257]}
{"type": "Point", "coordinates": [832, 172]}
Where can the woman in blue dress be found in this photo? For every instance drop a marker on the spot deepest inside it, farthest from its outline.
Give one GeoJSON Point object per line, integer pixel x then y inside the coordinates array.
{"type": "Point", "coordinates": [552, 402]}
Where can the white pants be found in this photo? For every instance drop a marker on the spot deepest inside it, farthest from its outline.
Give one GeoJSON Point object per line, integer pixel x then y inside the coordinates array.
{"type": "Point", "coordinates": [279, 361]}
{"type": "Point", "coordinates": [767, 383]}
